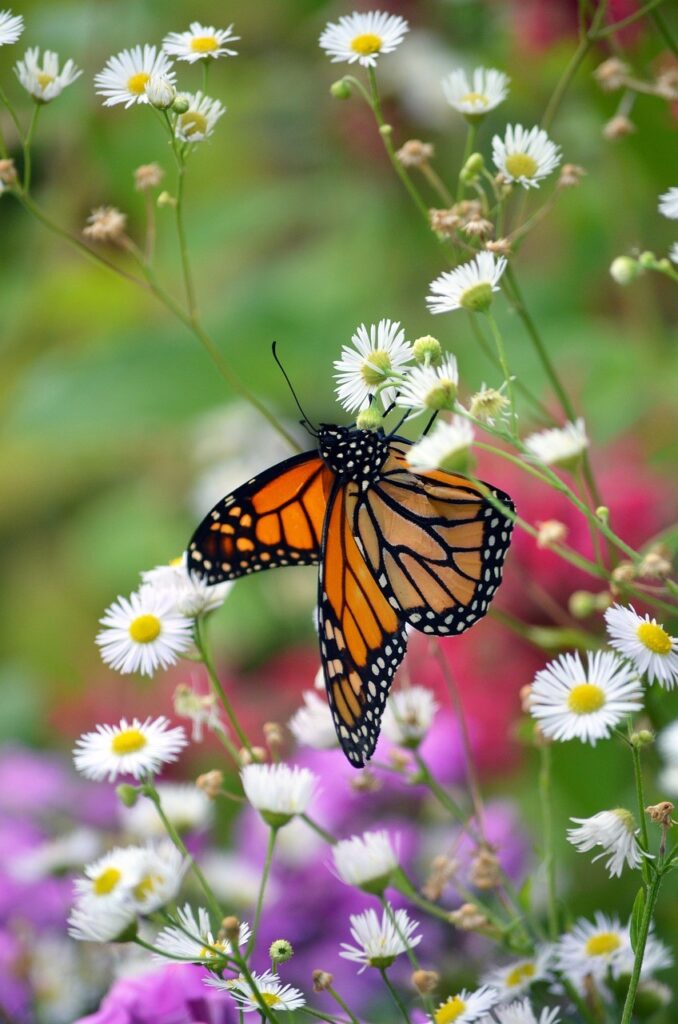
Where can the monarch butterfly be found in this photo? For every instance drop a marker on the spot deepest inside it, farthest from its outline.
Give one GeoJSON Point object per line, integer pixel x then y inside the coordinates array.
{"type": "Point", "coordinates": [396, 547]}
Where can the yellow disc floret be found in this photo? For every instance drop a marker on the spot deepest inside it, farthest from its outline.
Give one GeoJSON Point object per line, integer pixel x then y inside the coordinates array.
{"type": "Point", "coordinates": [204, 44]}
{"type": "Point", "coordinates": [520, 974]}
{"type": "Point", "coordinates": [128, 742]}
{"type": "Point", "coordinates": [450, 1011]}
{"type": "Point", "coordinates": [106, 882]}
{"type": "Point", "coordinates": [603, 944]}
{"type": "Point", "coordinates": [521, 165]}
{"type": "Point", "coordinates": [366, 44]}
{"type": "Point", "coordinates": [137, 83]}
{"type": "Point", "coordinates": [376, 367]}
{"type": "Point", "coordinates": [586, 698]}
{"type": "Point", "coordinates": [654, 638]}
{"type": "Point", "coordinates": [145, 628]}
{"type": "Point", "coordinates": [477, 98]}
{"type": "Point", "coordinates": [193, 123]}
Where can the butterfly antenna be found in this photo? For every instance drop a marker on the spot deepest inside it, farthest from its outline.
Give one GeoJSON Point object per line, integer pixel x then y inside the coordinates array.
{"type": "Point", "coordinates": [305, 422]}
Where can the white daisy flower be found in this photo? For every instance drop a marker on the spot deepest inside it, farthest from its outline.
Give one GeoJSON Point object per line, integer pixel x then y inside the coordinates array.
{"type": "Point", "coordinates": [668, 203]}
{"type": "Point", "coordinates": [200, 42]}
{"type": "Point", "coordinates": [11, 27]}
{"type": "Point", "coordinates": [276, 995]}
{"type": "Point", "coordinates": [186, 807]}
{"type": "Point", "coordinates": [110, 879]}
{"type": "Point", "coordinates": [409, 715]}
{"type": "Point", "coordinates": [91, 921]}
{"type": "Point", "coordinates": [525, 156]}
{"type": "Point", "coordinates": [43, 80]}
{"type": "Point", "coordinates": [522, 1013]}
{"type": "Point", "coordinates": [191, 595]}
{"type": "Point", "coordinates": [199, 945]}
{"type": "Point", "coordinates": [137, 748]}
{"type": "Point", "coordinates": [379, 351]}
{"type": "Point", "coordinates": [516, 977]}
{"type": "Point", "coordinates": [430, 388]}
{"type": "Point", "coordinates": [477, 96]}
{"type": "Point", "coordinates": [559, 447]}
{"type": "Point", "coordinates": [197, 123]}
{"type": "Point", "coordinates": [466, 1007]}
{"type": "Point", "coordinates": [469, 286]}
{"type": "Point", "coordinates": [645, 642]}
{"type": "Point", "coordinates": [657, 957]}
{"type": "Point", "coordinates": [446, 447]}
{"type": "Point", "coordinates": [366, 861]}
{"type": "Point", "coordinates": [615, 831]}
{"type": "Point", "coordinates": [591, 949]}
{"type": "Point", "coordinates": [160, 92]}
{"type": "Point", "coordinates": [489, 405]}
{"type": "Point", "coordinates": [161, 869]}
{"type": "Point", "coordinates": [143, 632]}
{"type": "Point", "coordinates": [126, 75]}
{"type": "Point", "coordinates": [312, 724]}
{"type": "Point", "coordinates": [573, 702]}
{"type": "Point", "coordinates": [277, 791]}
{"type": "Point", "coordinates": [363, 37]}
{"type": "Point", "coordinates": [380, 942]}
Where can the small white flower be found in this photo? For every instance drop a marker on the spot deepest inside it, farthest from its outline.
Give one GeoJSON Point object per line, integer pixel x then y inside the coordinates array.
{"type": "Point", "coordinates": [591, 949]}
{"type": "Point", "coordinates": [126, 75]}
{"type": "Point", "coordinates": [277, 791]}
{"type": "Point", "coordinates": [137, 748]}
{"type": "Point", "coordinates": [366, 861]}
{"type": "Point", "coordinates": [143, 632]}
{"type": "Point", "coordinates": [380, 942]}
{"type": "Point", "coordinates": [466, 1007]}
{"type": "Point", "coordinates": [469, 286]}
{"type": "Point", "coordinates": [645, 642]}
{"type": "Point", "coordinates": [615, 831]}
{"type": "Point", "coordinates": [11, 27]}
{"type": "Point", "coordinates": [161, 868]}
{"type": "Point", "coordinates": [559, 447]}
{"type": "Point", "coordinates": [186, 807]}
{"type": "Point", "coordinates": [94, 922]}
{"type": "Point", "coordinates": [525, 156]}
{"type": "Point", "coordinates": [430, 388]}
{"type": "Point", "coordinates": [312, 724]}
{"type": "Point", "coordinates": [409, 715]}
{"type": "Point", "coordinates": [110, 879]}
{"type": "Point", "coordinates": [161, 93]}
{"type": "Point", "coordinates": [276, 995]}
{"type": "Point", "coordinates": [200, 42]}
{"type": "Point", "coordinates": [522, 1013]}
{"type": "Point", "coordinates": [573, 702]}
{"type": "Point", "coordinates": [487, 89]}
{"type": "Point", "coordinates": [199, 945]}
{"type": "Point", "coordinates": [379, 351]}
{"type": "Point", "coordinates": [43, 80]}
{"type": "Point", "coordinates": [363, 37]}
{"type": "Point", "coordinates": [197, 123]}
{"type": "Point", "coordinates": [191, 596]}
{"type": "Point", "coordinates": [516, 977]}
{"type": "Point", "coordinates": [668, 203]}
{"type": "Point", "coordinates": [489, 405]}
{"type": "Point", "coordinates": [446, 447]}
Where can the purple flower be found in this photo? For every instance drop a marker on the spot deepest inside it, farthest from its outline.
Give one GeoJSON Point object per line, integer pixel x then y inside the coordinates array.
{"type": "Point", "coordinates": [171, 995]}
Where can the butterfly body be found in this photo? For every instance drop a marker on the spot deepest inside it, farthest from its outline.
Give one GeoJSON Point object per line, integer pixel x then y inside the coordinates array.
{"type": "Point", "coordinates": [396, 548]}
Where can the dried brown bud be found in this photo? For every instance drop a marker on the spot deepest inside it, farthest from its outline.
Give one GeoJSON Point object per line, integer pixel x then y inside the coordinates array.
{"type": "Point", "coordinates": [273, 733]}
{"type": "Point", "coordinates": [255, 754]}
{"type": "Point", "coordinates": [365, 782]}
{"type": "Point", "coordinates": [625, 572]}
{"type": "Point", "coordinates": [230, 926]}
{"type": "Point", "coordinates": [666, 84]}
{"type": "Point", "coordinates": [414, 153]}
{"type": "Point", "coordinates": [8, 175]}
{"type": "Point", "coordinates": [661, 813]}
{"type": "Point", "coordinates": [148, 176]}
{"type": "Point", "coordinates": [322, 980]}
{"type": "Point", "coordinates": [468, 918]}
{"type": "Point", "coordinates": [656, 564]}
{"type": "Point", "coordinates": [211, 783]}
{"type": "Point", "coordinates": [105, 224]}
{"type": "Point", "coordinates": [442, 870]}
{"type": "Point", "coordinates": [526, 698]}
{"type": "Point", "coordinates": [425, 981]}
{"type": "Point", "coordinates": [444, 222]}
{"type": "Point", "coordinates": [551, 531]}
{"type": "Point", "coordinates": [617, 127]}
{"type": "Point", "coordinates": [485, 869]}
{"type": "Point", "coordinates": [612, 74]}
{"type": "Point", "coordinates": [478, 227]}
{"type": "Point", "coordinates": [570, 176]}
{"type": "Point", "coordinates": [399, 760]}
{"type": "Point", "coordinates": [501, 246]}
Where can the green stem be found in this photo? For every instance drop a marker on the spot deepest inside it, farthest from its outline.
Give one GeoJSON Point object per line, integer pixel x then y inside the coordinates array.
{"type": "Point", "coordinates": [264, 1009]}
{"type": "Point", "coordinates": [491, 355]}
{"type": "Point", "coordinates": [646, 923]}
{"type": "Point", "coordinates": [340, 1002]}
{"type": "Point", "coordinates": [12, 113]}
{"type": "Point", "coordinates": [201, 644]}
{"type": "Point", "coordinates": [617, 26]}
{"type": "Point", "coordinates": [394, 995]}
{"type": "Point", "coordinates": [548, 845]}
{"type": "Point", "coordinates": [189, 284]}
{"type": "Point", "coordinates": [587, 1015]}
{"type": "Point", "coordinates": [640, 798]}
{"type": "Point", "coordinates": [409, 952]}
{"type": "Point", "coordinates": [28, 142]}
{"type": "Point", "coordinates": [501, 353]}
{"type": "Point", "coordinates": [585, 43]}
{"type": "Point", "coordinates": [327, 836]}
{"type": "Point", "coordinates": [468, 149]}
{"type": "Point", "coordinates": [436, 183]}
{"type": "Point", "coordinates": [273, 832]}
{"type": "Point", "coordinates": [442, 796]}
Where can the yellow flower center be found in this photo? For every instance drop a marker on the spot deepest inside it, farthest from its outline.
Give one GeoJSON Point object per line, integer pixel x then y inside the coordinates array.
{"type": "Point", "coordinates": [44, 79]}
{"type": "Point", "coordinates": [207, 952]}
{"type": "Point", "coordinates": [176, 562]}
{"type": "Point", "coordinates": [521, 165]}
{"type": "Point", "coordinates": [193, 123]}
{"type": "Point", "coordinates": [602, 944]}
{"type": "Point", "coordinates": [586, 698]}
{"type": "Point", "coordinates": [654, 638]}
{"type": "Point", "coordinates": [271, 999]}
{"type": "Point", "coordinates": [137, 83]}
{"type": "Point", "coordinates": [128, 742]}
{"type": "Point", "coordinates": [376, 367]}
{"type": "Point", "coordinates": [146, 886]}
{"type": "Point", "coordinates": [450, 1011]}
{"type": "Point", "coordinates": [366, 44]}
{"type": "Point", "coordinates": [204, 44]}
{"type": "Point", "coordinates": [476, 98]}
{"type": "Point", "coordinates": [106, 881]}
{"type": "Point", "coordinates": [519, 974]}
{"type": "Point", "coordinates": [145, 628]}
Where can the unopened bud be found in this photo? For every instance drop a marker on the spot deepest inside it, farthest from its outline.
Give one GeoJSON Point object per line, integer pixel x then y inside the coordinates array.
{"type": "Point", "coordinates": [322, 980]}
{"type": "Point", "coordinates": [642, 738]}
{"type": "Point", "coordinates": [8, 175]}
{"type": "Point", "coordinates": [472, 168]}
{"type": "Point", "coordinates": [281, 951]}
{"type": "Point", "coordinates": [126, 794]}
{"type": "Point", "coordinates": [647, 260]}
{"type": "Point", "coordinates": [603, 513]}
{"type": "Point", "coordinates": [369, 419]}
{"type": "Point", "coordinates": [551, 531]}
{"type": "Point", "coordinates": [385, 130]}
{"type": "Point", "coordinates": [274, 735]}
{"type": "Point", "coordinates": [165, 199]}
{"type": "Point", "coordinates": [254, 754]}
{"type": "Point", "coordinates": [468, 918]}
{"type": "Point", "coordinates": [160, 92]}
{"type": "Point", "coordinates": [485, 870]}
{"type": "Point", "coordinates": [211, 783]}
{"type": "Point", "coordinates": [230, 926]}
{"type": "Point", "coordinates": [427, 350]}
{"type": "Point", "coordinates": [341, 89]}
{"type": "Point", "coordinates": [624, 269]}
{"type": "Point", "coordinates": [425, 981]}
{"type": "Point", "coordinates": [660, 813]}
{"type": "Point", "coordinates": [181, 104]}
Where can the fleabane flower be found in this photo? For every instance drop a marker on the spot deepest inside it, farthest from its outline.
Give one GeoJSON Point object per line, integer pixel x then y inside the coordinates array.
{"type": "Point", "coordinates": [366, 861]}
{"type": "Point", "coordinates": [185, 806]}
{"type": "Point", "coordinates": [126, 75]}
{"type": "Point", "coordinates": [570, 701]}
{"type": "Point", "coordinates": [109, 880]}
{"type": "Point", "coordinates": [42, 78]}
{"type": "Point", "coordinates": [277, 791]}
{"type": "Point", "coordinates": [469, 286]}
{"type": "Point", "coordinates": [615, 832]}
{"type": "Point", "coordinates": [465, 1007]}
{"type": "Point", "coordinates": [91, 921]}
{"type": "Point", "coordinates": [561, 447]}
{"type": "Point", "coordinates": [143, 632]}
{"type": "Point", "coordinates": [191, 596]}
{"type": "Point", "coordinates": [312, 724]}
{"type": "Point", "coordinates": [200, 42]}
{"type": "Point", "coordinates": [668, 203]}
{"type": "Point", "coordinates": [379, 942]}
{"type": "Point", "coordinates": [378, 352]}
{"type": "Point", "coordinates": [430, 388]}
{"type": "Point", "coordinates": [525, 156]}
{"type": "Point", "coordinates": [363, 37]}
{"type": "Point", "coordinates": [522, 1013]}
{"type": "Point", "coordinates": [489, 405]}
{"type": "Point", "coordinates": [197, 123]}
{"type": "Point", "coordinates": [161, 870]}
{"type": "Point", "coordinates": [446, 447]}
{"type": "Point", "coordinates": [409, 715]}
{"type": "Point", "coordinates": [591, 948]}
{"type": "Point", "coordinates": [475, 96]}
{"type": "Point", "coordinates": [513, 978]}
{"type": "Point", "coordinates": [645, 642]}
{"type": "Point", "coordinates": [11, 27]}
{"type": "Point", "coordinates": [192, 939]}
{"type": "Point", "coordinates": [274, 993]}
{"type": "Point", "coordinates": [131, 748]}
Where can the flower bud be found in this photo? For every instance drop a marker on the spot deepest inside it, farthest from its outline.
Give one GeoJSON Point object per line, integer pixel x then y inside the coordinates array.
{"type": "Point", "coordinates": [647, 260]}
{"type": "Point", "coordinates": [322, 980]}
{"type": "Point", "coordinates": [551, 531]}
{"type": "Point", "coordinates": [415, 153]}
{"type": "Point", "coordinates": [425, 981]}
{"type": "Point", "coordinates": [341, 90]}
{"type": "Point", "coordinates": [660, 814]}
{"type": "Point", "coordinates": [126, 794]}
{"type": "Point", "coordinates": [427, 350]}
{"type": "Point", "coordinates": [624, 269]}
{"type": "Point", "coordinates": [369, 419]}
{"type": "Point", "coordinates": [385, 130]}
{"type": "Point", "coordinates": [8, 175]}
{"type": "Point", "coordinates": [211, 783]}
{"type": "Point", "coordinates": [161, 93]}
{"type": "Point", "coordinates": [472, 168]}
{"type": "Point", "coordinates": [274, 735]}
{"type": "Point", "coordinates": [230, 926]}
{"type": "Point", "coordinates": [165, 199]}
{"type": "Point", "coordinates": [281, 951]}
{"type": "Point", "coordinates": [642, 738]}
{"type": "Point", "coordinates": [181, 104]}
{"type": "Point", "coordinates": [581, 604]}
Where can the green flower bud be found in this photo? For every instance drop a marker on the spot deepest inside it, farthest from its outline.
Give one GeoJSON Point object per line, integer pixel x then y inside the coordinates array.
{"type": "Point", "coordinates": [647, 260]}
{"type": "Point", "coordinates": [127, 795]}
{"type": "Point", "coordinates": [581, 604]}
{"type": "Point", "coordinates": [341, 90]}
{"type": "Point", "coordinates": [427, 350]}
{"type": "Point", "coordinates": [180, 105]}
{"type": "Point", "coordinates": [624, 269]}
{"type": "Point", "coordinates": [386, 129]}
{"type": "Point", "coordinates": [281, 951]}
{"type": "Point", "coordinates": [369, 419]}
{"type": "Point", "coordinates": [472, 168]}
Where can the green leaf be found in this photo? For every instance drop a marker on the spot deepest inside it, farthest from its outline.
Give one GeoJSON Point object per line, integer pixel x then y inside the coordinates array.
{"type": "Point", "coordinates": [525, 895]}
{"type": "Point", "coordinates": [637, 917]}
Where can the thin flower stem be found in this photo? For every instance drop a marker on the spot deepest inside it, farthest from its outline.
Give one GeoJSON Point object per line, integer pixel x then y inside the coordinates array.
{"type": "Point", "coordinates": [545, 800]}
{"type": "Point", "coordinates": [28, 142]}
{"type": "Point", "coordinates": [149, 247]}
{"type": "Point", "coordinates": [327, 836]}
{"type": "Point", "coordinates": [183, 245]}
{"type": "Point", "coordinates": [585, 42]}
{"type": "Point", "coordinates": [442, 796]}
{"type": "Point", "coordinates": [264, 1009]}
{"type": "Point", "coordinates": [644, 931]}
{"type": "Point", "coordinates": [617, 26]}
{"type": "Point", "coordinates": [319, 1015]}
{"type": "Point", "coordinates": [640, 798]}
{"type": "Point", "coordinates": [468, 149]}
{"type": "Point", "coordinates": [394, 995]}
{"type": "Point", "coordinates": [12, 113]}
{"type": "Point", "coordinates": [340, 1002]}
{"type": "Point", "coordinates": [272, 835]}
{"type": "Point", "coordinates": [436, 182]}
{"type": "Point", "coordinates": [586, 1014]}
{"type": "Point", "coordinates": [409, 951]}
{"type": "Point", "coordinates": [491, 355]}
{"type": "Point", "coordinates": [501, 353]}
{"type": "Point", "coordinates": [201, 644]}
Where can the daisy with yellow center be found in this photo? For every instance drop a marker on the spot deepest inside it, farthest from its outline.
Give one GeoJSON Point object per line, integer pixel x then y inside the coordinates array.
{"type": "Point", "coordinates": [573, 701]}
{"type": "Point", "coordinates": [523, 156]}
{"type": "Point", "coordinates": [476, 96]}
{"type": "Point", "coordinates": [109, 879]}
{"type": "Point", "coordinates": [466, 1007]}
{"type": "Point", "coordinates": [514, 978]}
{"type": "Point", "coordinates": [137, 748]}
{"type": "Point", "coordinates": [378, 353]}
{"type": "Point", "coordinates": [591, 948]}
{"type": "Point", "coordinates": [615, 832]}
{"type": "Point", "coordinates": [430, 388]}
{"type": "Point", "coordinates": [144, 632]}
{"type": "Point", "coordinates": [273, 992]}
{"type": "Point", "coordinates": [160, 871]}
{"type": "Point", "coordinates": [197, 123]}
{"type": "Point", "coordinates": [42, 78]}
{"type": "Point", "coordinates": [362, 38]}
{"type": "Point", "coordinates": [192, 938]}
{"type": "Point", "coordinates": [469, 286]}
{"type": "Point", "coordinates": [379, 942]}
{"type": "Point", "coordinates": [645, 642]}
{"type": "Point", "coordinates": [126, 75]}
{"type": "Point", "coordinates": [190, 594]}
{"type": "Point", "coordinates": [200, 42]}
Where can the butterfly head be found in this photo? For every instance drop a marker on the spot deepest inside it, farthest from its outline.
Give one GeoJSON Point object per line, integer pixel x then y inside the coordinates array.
{"type": "Point", "coordinates": [351, 453]}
